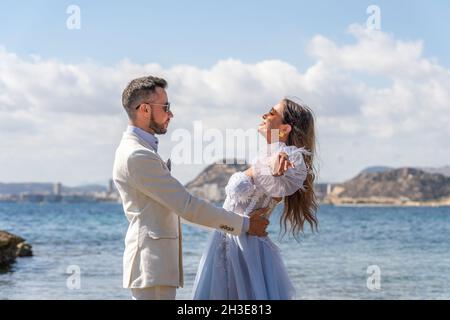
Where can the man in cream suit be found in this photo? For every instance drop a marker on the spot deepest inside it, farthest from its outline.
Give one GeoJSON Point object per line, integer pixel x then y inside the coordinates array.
{"type": "Point", "coordinates": [154, 201]}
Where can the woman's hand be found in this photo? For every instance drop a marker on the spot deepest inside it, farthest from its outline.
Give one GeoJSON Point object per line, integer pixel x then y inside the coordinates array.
{"type": "Point", "coordinates": [281, 164]}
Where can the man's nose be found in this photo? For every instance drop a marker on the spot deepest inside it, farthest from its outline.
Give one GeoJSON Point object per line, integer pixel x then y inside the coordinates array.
{"type": "Point", "coordinates": [264, 116]}
{"type": "Point", "coordinates": [170, 114]}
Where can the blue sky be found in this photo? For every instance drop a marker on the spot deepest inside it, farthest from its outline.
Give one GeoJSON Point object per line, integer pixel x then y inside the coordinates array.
{"type": "Point", "coordinates": [380, 97]}
{"type": "Point", "coordinates": [203, 32]}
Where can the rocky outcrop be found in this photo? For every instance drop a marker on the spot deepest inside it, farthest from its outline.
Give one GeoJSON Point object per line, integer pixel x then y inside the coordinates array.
{"type": "Point", "coordinates": [398, 186]}
{"type": "Point", "coordinates": [210, 183]}
{"type": "Point", "coordinates": [12, 246]}
{"type": "Point", "coordinates": [442, 170]}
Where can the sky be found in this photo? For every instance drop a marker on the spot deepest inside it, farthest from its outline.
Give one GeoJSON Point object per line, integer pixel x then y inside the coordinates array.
{"type": "Point", "coordinates": [381, 97]}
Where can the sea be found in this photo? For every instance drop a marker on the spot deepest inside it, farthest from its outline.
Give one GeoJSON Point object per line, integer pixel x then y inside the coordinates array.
{"type": "Point", "coordinates": [359, 252]}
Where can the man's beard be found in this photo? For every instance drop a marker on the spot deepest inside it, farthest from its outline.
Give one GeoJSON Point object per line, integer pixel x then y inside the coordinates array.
{"type": "Point", "coordinates": [156, 127]}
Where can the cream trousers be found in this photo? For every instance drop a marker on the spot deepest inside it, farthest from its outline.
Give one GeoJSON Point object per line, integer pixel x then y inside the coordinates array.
{"type": "Point", "coordinates": [154, 293]}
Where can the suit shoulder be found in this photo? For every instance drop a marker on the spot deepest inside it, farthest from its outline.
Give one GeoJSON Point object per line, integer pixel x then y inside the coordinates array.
{"type": "Point", "coordinates": [143, 152]}
{"type": "Point", "coordinates": [140, 156]}
{"type": "Point", "coordinates": [130, 148]}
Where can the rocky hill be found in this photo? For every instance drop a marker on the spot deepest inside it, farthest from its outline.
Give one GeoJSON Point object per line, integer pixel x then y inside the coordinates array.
{"type": "Point", "coordinates": [442, 170]}
{"type": "Point", "coordinates": [210, 183]}
{"type": "Point", "coordinates": [376, 169]}
{"type": "Point", "coordinates": [397, 186]}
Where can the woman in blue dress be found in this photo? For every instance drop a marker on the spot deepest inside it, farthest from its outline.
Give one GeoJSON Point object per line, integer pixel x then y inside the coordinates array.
{"type": "Point", "coordinates": [251, 268]}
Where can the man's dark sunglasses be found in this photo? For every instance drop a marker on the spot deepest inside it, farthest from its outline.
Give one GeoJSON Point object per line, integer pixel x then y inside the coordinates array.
{"type": "Point", "coordinates": [166, 106]}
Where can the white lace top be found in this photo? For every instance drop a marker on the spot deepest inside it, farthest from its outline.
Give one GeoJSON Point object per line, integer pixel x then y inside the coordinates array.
{"type": "Point", "coordinates": [246, 194]}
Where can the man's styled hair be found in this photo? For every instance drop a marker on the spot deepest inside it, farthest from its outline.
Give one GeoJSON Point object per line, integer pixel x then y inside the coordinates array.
{"type": "Point", "coordinates": [139, 90]}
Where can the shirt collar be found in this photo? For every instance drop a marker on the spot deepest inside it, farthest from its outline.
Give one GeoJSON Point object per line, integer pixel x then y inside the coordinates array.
{"type": "Point", "coordinates": [144, 135]}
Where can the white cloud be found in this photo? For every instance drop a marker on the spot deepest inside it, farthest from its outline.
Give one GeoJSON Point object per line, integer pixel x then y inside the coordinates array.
{"type": "Point", "coordinates": [377, 101]}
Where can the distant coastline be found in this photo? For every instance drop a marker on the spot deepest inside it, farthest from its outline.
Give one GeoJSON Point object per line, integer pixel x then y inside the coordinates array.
{"type": "Point", "coordinates": [374, 186]}
{"type": "Point", "coordinates": [57, 193]}
{"type": "Point", "coordinates": [385, 202]}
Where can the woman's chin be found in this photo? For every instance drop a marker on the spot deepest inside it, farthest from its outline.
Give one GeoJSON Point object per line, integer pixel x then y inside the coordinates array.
{"type": "Point", "coordinates": [263, 131]}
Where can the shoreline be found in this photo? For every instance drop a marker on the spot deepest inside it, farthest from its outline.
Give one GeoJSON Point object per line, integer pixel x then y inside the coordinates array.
{"type": "Point", "coordinates": [383, 202]}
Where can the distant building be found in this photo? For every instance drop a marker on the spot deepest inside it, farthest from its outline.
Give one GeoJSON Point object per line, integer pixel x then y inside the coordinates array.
{"type": "Point", "coordinates": [111, 186]}
{"type": "Point", "coordinates": [52, 198]}
{"type": "Point", "coordinates": [328, 188]}
{"type": "Point", "coordinates": [31, 197]}
{"type": "Point", "coordinates": [77, 198]}
{"type": "Point", "coordinates": [57, 187]}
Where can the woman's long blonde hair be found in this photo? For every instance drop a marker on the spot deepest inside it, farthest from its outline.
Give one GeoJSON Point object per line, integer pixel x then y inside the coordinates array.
{"type": "Point", "coordinates": [302, 205]}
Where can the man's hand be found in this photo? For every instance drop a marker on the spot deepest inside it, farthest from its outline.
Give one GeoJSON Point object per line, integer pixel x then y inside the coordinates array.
{"type": "Point", "coordinates": [258, 223]}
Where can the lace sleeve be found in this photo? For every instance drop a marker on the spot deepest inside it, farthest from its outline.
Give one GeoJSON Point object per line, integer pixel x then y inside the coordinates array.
{"type": "Point", "coordinates": [284, 185]}
{"type": "Point", "coordinates": [239, 187]}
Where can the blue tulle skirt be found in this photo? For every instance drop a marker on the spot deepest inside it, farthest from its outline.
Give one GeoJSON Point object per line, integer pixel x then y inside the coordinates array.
{"type": "Point", "coordinates": [242, 268]}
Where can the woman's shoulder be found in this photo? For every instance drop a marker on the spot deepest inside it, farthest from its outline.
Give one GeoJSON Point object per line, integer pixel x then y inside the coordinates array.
{"type": "Point", "coordinates": [239, 183]}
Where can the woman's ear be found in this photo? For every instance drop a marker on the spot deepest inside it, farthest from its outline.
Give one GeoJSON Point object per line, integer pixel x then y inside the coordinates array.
{"type": "Point", "coordinates": [285, 128]}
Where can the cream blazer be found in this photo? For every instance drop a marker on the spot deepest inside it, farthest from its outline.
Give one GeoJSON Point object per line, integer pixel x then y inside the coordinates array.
{"type": "Point", "coordinates": [153, 202]}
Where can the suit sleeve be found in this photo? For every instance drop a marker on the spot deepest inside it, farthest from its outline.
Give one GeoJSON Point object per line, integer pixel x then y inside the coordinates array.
{"type": "Point", "coordinates": [149, 176]}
